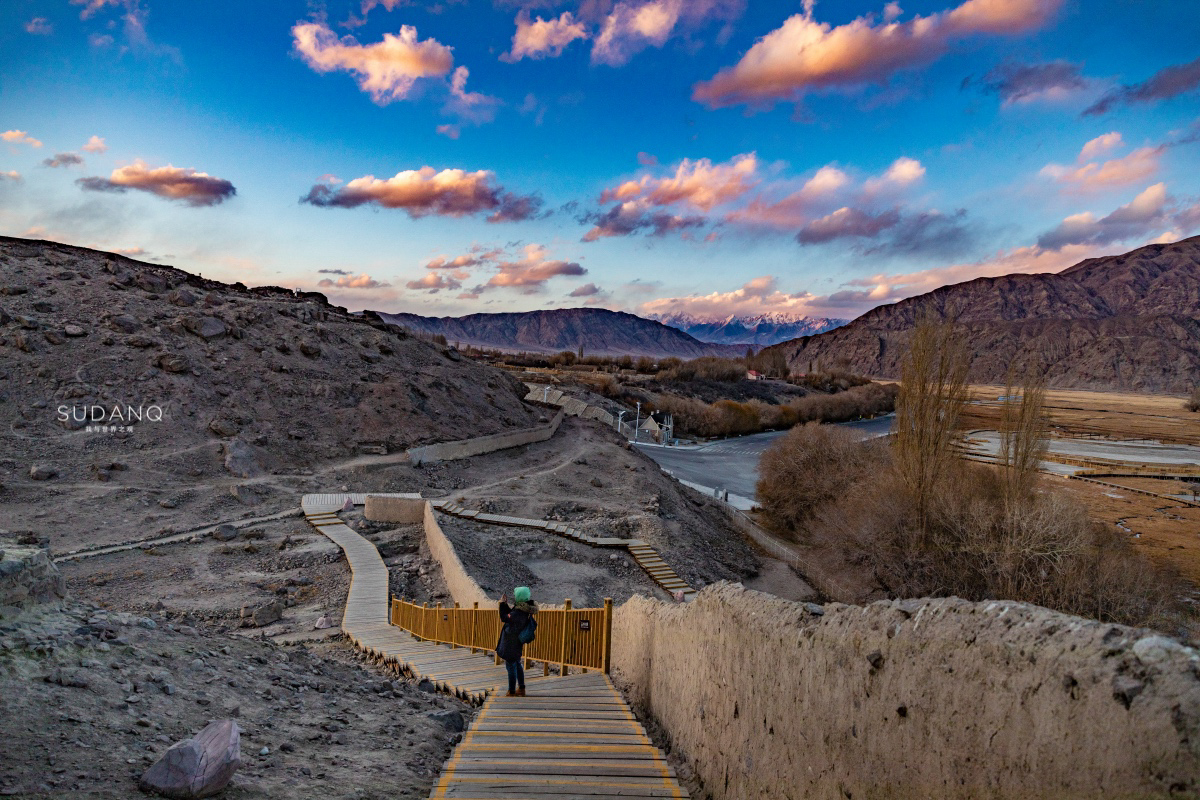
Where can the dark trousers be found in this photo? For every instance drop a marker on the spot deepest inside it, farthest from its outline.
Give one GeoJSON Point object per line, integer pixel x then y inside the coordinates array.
{"type": "Point", "coordinates": [516, 674]}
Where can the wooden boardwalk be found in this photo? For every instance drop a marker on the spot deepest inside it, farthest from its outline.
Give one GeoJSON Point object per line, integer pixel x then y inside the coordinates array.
{"type": "Point", "coordinates": [643, 554]}
{"type": "Point", "coordinates": [571, 737]}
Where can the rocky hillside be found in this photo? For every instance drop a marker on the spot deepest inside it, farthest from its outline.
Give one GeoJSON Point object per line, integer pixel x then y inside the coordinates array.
{"type": "Point", "coordinates": [600, 331]}
{"type": "Point", "coordinates": [1128, 322]}
{"type": "Point", "coordinates": [758, 330]}
{"type": "Point", "coordinates": [228, 379]}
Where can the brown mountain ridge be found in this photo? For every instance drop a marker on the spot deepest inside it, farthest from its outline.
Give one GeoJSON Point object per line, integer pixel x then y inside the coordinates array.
{"type": "Point", "coordinates": [1127, 322]}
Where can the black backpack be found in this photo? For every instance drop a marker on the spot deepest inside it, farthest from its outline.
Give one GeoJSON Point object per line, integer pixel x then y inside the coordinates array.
{"type": "Point", "coordinates": [529, 632]}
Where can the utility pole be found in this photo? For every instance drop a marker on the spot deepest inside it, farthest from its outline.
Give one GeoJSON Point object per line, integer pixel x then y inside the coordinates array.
{"type": "Point", "coordinates": [637, 425]}
{"type": "Point", "coordinates": [620, 424]}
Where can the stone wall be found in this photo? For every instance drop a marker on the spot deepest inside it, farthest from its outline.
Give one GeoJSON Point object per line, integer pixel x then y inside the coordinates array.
{"type": "Point", "coordinates": [381, 508]}
{"type": "Point", "coordinates": [935, 698]}
{"type": "Point", "coordinates": [465, 448]}
{"type": "Point", "coordinates": [27, 577]}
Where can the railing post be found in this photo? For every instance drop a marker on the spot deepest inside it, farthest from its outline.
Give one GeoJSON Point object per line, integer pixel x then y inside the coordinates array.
{"type": "Point", "coordinates": [437, 623]}
{"type": "Point", "coordinates": [607, 644]}
{"type": "Point", "coordinates": [424, 616]}
{"type": "Point", "coordinates": [474, 614]}
{"type": "Point", "coordinates": [562, 646]}
{"type": "Point", "coordinates": [454, 628]}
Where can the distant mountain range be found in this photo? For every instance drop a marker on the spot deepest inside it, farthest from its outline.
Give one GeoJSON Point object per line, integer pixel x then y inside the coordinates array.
{"type": "Point", "coordinates": [598, 330]}
{"type": "Point", "coordinates": [759, 329]}
{"type": "Point", "coordinates": [1129, 322]}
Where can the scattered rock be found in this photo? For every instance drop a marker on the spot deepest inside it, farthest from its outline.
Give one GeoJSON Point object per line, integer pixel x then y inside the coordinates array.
{"type": "Point", "coordinates": [875, 659]}
{"type": "Point", "coordinates": [206, 327]}
{"type": "Point", "coordinates": [309, 349]}
{"type": "Point", "coordinates": [262, 615]}
{"type": "Point", "coordinates": [54, 337]}
{"type": "Point", "coordinates": [74, 331]}
{"type": "Point", "coordinates": [223, 426]}
{"type": "Point", "coordinates": [198, 767]}
{"type": "Point", "coordinates": [124, 324]}
{"type": "Point", "coordinates": [182, 298]}
{"type": "Point", "coordinates": [241, 460]}
{"type": "Point", "coordinates": [323, 622]}
{"type": "Point", "coordinates": [169, 362]}
{"type": "Point", "coordinates": [41, 473]}
{"type": "Point", "coordinates": [1156, 649]}
{"type": "Point", "coordinates": [225, 533]}
{"type": "Point", "coordinates": [452, 720]}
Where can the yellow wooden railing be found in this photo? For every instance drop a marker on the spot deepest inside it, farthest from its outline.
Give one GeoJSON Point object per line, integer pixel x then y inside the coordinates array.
{"type": "Point", "coordinates": [566, 637]}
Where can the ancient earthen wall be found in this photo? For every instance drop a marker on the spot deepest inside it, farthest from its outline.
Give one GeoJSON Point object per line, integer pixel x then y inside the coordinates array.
{"type": "Point", "coordinates": [395, 509]}
{"type": "Point", "coordinates": [462, 586]}
{"type": "Point", "coordinates": [451, 451]}
{"type": "Point", "coordinates": [939, 698]}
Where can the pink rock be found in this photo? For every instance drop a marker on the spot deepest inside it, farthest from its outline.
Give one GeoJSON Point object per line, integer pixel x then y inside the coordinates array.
{"type": "Point", "coordinates": [198, 767]}
{"type": "Point", "coordinates": [348, 505]}
{"type": "Point", "coordinates": [324, 622]}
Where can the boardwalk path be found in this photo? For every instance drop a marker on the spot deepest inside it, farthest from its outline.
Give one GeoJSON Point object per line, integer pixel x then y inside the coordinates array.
{"type": "Point", "coordinates": [571, 737]}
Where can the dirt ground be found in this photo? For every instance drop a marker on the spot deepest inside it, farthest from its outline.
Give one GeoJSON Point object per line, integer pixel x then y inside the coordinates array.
{"type": "Point", "coordinates": [92, 699]}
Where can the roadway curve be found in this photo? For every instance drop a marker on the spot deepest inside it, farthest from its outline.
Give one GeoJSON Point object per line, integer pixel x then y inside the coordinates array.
{"type": "Point", "coordinates": [732, 464]}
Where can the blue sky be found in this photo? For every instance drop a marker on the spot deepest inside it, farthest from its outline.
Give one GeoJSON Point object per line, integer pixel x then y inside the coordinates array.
{"type": "Point", "coordinates": [699, 156]}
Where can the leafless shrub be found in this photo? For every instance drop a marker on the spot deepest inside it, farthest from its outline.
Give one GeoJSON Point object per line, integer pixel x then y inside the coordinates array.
{"type": "Point", "coordinates": [707, 368]}
{"type": "Point", "coordinates": [1023, 432]}
{"type": "Point", "coordinates": [809, 468]}
{"type": "Point", "coordinates": [1193, 402]}
{"type": "Point", "coordinates": [933, 389]}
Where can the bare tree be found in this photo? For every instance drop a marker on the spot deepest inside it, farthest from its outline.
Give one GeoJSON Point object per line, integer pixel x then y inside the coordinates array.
{"type": "Point", "coordinates": [1023, 435]}
{"type": "Point", "coordinates": [933, 389]}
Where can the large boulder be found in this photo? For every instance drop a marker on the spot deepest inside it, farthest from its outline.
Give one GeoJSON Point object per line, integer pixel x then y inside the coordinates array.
{"type": "Point", "coordinates": [241, 459]}
{"type": "Point", "coordinates": [206, 327]}
{"type": "Point", "coordinates": [261, 616]}
{"type": "Point", "coordinates": [198, 767]}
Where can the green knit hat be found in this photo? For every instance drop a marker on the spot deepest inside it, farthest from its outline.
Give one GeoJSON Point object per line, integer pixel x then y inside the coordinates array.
{"type": "Point", "coordinates": [521, 594]}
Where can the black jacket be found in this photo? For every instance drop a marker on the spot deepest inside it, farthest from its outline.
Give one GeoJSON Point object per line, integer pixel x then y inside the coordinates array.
{"type": "Point", "coordinates": [510, 647]}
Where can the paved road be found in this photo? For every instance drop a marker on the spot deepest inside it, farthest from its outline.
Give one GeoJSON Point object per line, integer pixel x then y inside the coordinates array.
{"type": "Point", "coordinates": [732, 464]}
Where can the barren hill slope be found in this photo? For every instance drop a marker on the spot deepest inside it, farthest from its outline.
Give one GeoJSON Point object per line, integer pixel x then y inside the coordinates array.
{"type": "Point", "coordinates": [600, 331]}
{"type": "Point", "coordinates": [1122, 322]}
{"type": "Point", "coordinates": [268, 375]}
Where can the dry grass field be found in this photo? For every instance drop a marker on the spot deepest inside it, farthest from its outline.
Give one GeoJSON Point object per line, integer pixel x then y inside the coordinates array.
{"type": "Point", "coordinates": [1113, 414]}
{"type": "Point", "coordinates": [1166, 530]}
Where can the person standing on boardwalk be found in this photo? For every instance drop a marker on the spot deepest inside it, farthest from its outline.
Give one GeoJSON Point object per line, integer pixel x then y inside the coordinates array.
{"type": "Point", "coordinates": [518, 630]}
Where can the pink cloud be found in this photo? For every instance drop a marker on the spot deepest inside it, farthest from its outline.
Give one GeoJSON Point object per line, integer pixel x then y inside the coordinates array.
{"type": "Point", "coordinates": [450, 192]}
{"type": "Point", "coordinates": [587, 290]}
{"type": "Point", "coordinates": [90, 7]}
{"type": "Point", "coordinates": [1101, 144]}
{"type": "Point", "coordinates": [1151, 211]}
{"type": "Point", "coordinates": [174, 183]}
{"type": "Point", "coordinates": [632, 26]}
{"type": "Point", "coordinates": [699, 184]}
{"type": "Point", "coordinates": [19, 137]}
{"type": "Point", "coordinates": [434, 282]}
{"type": "Point", "coordinates": [625, 219]}
{"type": "Point", "coordinates": [804, 55]}
{"type": "Point", "coordinates": [1099, 176]}
{"type": "Point", "coordinates": [532, 270]}
{"type": "Point", "coordinates": [1166, 83]}
{"type": "Point", "coordinates": [95, 144]}
{"type": "Point", "coordinates": [543, 37]}
{"type": "Point", "coordinates": [386, 69]}
{"type": "Point", "coordinates": [39, 26]}
{"type": "Point", "coordinates": [363, 281]}
{"type": "Point", "coordinates": [449, 131]}
{"type": "Point", "coordinates": [11, 175]}
{"type": "Point", "coordinates": [847, 222]}
{"type": "Point", "coordinates": [794, 209]}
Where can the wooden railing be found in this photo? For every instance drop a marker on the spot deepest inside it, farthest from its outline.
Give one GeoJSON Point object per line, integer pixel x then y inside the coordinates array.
{"type": "Point", "coordinates": [566, 637]}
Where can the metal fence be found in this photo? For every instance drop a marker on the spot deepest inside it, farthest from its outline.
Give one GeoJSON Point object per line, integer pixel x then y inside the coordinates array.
{"type": "Point", "coordinates": [566, 637]}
